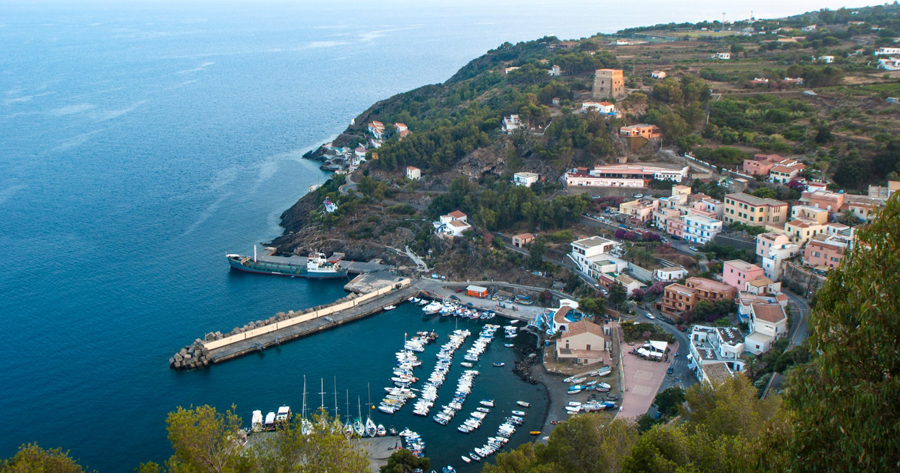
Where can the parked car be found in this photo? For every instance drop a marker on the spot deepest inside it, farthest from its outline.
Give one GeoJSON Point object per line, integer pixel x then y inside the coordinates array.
{"type": "Point", "coordinates": [459, 290]}
{"type": "Point", "coordinates": [670, 370]}
{"type": "Point", "coordinates": [650, 316]}
{"type": "Point", "coordinates": [693, 248]}
{"type": "Point", "coordinates": [681, 328]}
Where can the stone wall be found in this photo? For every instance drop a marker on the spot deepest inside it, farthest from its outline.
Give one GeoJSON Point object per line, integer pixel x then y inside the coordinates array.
{"type": "Point", "coordinates": [800, 280]}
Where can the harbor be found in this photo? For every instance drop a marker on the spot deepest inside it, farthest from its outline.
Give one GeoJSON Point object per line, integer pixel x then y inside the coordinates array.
{"type": "Point", "coordinates": [372, 365]}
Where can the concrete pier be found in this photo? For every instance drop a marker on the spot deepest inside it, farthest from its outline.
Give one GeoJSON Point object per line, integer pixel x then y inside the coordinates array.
{"type": "Point", "coordinates": [216, 348]}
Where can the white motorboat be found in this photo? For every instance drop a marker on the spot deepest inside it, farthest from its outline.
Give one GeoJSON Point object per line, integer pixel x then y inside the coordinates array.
{"type": "Point", "coordinates": [523, 403]}
{"type": "Point", "coordinates": [388, 307]}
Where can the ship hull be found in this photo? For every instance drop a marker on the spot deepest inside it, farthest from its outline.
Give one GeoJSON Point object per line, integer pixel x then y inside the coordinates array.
{"type": "Point", "coordinates": [285, 270]}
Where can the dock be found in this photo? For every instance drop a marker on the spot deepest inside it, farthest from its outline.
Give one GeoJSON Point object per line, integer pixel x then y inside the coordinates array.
{"type": "Point", "coordinates": [257, 336]}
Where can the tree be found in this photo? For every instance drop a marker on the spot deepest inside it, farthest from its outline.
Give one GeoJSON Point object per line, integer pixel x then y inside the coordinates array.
{"type": "Point", "coordinates": [33, 459]}
{"type": "Point", "coordinates": [203, 440]}
{"type": "Point", "coordinates": [592, 306]}
{"type": "Point", "coordinates": [669, 401]}
{"type": "Point", "coordinates": [842, 407]}
{"type": "Point", "coordinates": [403, 461]}
{"type": "Point", "coordinates": [617, 294]}
{"type": "Point", "coordinates": [585, 444]}
{"type": "Point", "coordinates": [322, 448]}
{"type": "Point", "coordinates": [536, 252]}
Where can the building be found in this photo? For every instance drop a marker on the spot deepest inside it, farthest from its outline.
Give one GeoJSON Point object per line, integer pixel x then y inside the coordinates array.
{"type": "Point", "coordinates": [330, 206]}
{"type": "Point", "coordinates": [862, 206]}
{"type": "Point", "coordinates": [376, 129]}
{"type": "Point", "coordinates": [782, 174]}
{"type": "Point", "coordinates": [736, 272]}
{"type": "Point", "coordinates": [658, 74]}
{"type": "Point", "coordinates": [525, 179]}
{"type": "Point", "coordinates": [679, 299]}
{"type": "Point", "coordinates": [507, 70]}
{"type": "Point", "coordinates": [591, 255]}
{"type": "Point", "coordinates": [761, 286]}
{"type": "Point", "coordinates": [642, 130]}
{"type": "Point", "coordinates": [639, 211]}
{"type": "Point", "coordinates": [889, 64]}
{"type": "Point", "coordinates": [413, 173]}
{"type": "Point", "coordinates": [476, 291]}
{"type": "Point", "coordinates": [774, 249]}
{"type": "Point", "coordinates": [754, 211]}
{"type": "Point", "coordinates": [453, 224]}
{"type": "Point", "coordinates": [768, 323]}
{"type": "Point", "coordinates": [555, 71]}
{"type": "Point", "coordinates": [824, 252]}
{"type": "Point", "coordinates": [792, 81]}
{"type": "Point", "coordinates": [401, 127]}
{"type": "Point", "coordinates": [826, 59]}
{"type": "Point", "coordinates": [629, 283]}
{"type": "Point", "coordinates": [823, 199]}
{"type": "Point", "coordinates": [608, 83]}
{"type": "Point", "coordinates": [662, 216]}
{"type": "Point", "coordinates": [522, 239]}
{"type": "Point", "coordinates": [886, 51]}
{"type": "Point", "coordinates": [884, 192]}
{"type": "Point", "coordinates": [584, 342]}
{"type": "Point", "coordinates": [708, 207]}
{"type": "Point", "coordinates": [722, 56]}
{"type": "Point", "coordinates": [757, 167]}
{"type": "Point", "coordinates": [699, 229]}
{"type": "Point", "coordinates": [809, 213]}
{"type": "Point", "coordinates": [624, 175]}
{"type": "Point", "coordinates": [672, 273]}
{"type": "Point", "coordinates": [709, 290]}
{"type": "Point", "coordinates": [603, 108]}
{"type": "Point", "coordinates": [675, 227]}
{"type": "Point", "coordinates": [801, 230]}
{"type": "Point", "coordinates": [715, 349]}
{"type": "Point", "coordinates": [510, 123]}
{"type": "Point", "coordinates": [566, 315]}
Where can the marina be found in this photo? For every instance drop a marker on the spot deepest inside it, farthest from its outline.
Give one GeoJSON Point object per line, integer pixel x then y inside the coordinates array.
{"type": "Point", "coordinates": [442, 443]}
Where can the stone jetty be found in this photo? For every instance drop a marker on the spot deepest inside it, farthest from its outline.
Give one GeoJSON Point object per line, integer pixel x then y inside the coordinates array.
{"type": "Point", "coordinates": [257, 335]}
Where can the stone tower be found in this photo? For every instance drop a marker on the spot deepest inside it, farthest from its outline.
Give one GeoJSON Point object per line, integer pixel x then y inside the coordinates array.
{"type": "Point", "coordinates": [609, 83]}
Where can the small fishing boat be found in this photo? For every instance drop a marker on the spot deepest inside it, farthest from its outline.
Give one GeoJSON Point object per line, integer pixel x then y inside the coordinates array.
{"type": "Point", "coordinates": [535, 432]}
{"type": "Point", "coordinates": [487, 403]}
{"type": "Point", "coordinates": [523, 403]}
{"type": "Point", "coordinates": [389, 307]}
{"type": "Point", "coordinates": [499, 364]}
{"type": "Point", "coordinates": [392, 431]}
{"type": "Point", "coordinates": [466, 459]}
{"type": "Point", "coordinates": [448, 469]}
{"type": "Point", "coordinates": [466, 364]}
{"type": "Point", "coordinates": [474, 456]}
{"type": "Point", "coordinates": [518, 413]}
{"type": "Point", "coordinates": [508, 345]}
{"type": "Point", "coordinates": [381, 431]}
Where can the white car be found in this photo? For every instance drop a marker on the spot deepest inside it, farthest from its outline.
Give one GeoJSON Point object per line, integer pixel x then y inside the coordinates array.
{"type": "Point", "coordinates": [650, 316]}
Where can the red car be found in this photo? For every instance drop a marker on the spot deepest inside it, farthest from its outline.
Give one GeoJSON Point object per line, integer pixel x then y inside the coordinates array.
{"type": "Point", "coordinates": [459, 290]}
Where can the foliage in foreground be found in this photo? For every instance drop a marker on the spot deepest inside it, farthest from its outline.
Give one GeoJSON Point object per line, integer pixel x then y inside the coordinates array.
{"type": "Point", "coordinates": [33, 459]}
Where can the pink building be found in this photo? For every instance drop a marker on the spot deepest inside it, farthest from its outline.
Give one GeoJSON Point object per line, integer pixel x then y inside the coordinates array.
{"type": "Point", "coordinates": [736, 272]}
{"type": "Point", "coordinates": [823, 199]}
{"type": "Point", "coordinates": [767, 241]}
{"type": "Point", "coordinates": [824, 252]}
{"type": "Point", "coordinates": [675, 227]}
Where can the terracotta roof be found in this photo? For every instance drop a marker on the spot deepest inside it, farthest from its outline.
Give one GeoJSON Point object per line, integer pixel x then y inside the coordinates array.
{"type": "Point", "coordinates": [710, 285]}
{"type": "Point", "coordinates": [457, 214]}
{"type": "Point", "coordinates": [784, 169]}
{"type": "Point", "coordinates": [458, 224]}
{"type": "Point", "coordinates": [559, 316]}
{"type": "Point", "coordinates": [773, 313]}
{"type": "Point", "coordinates": [583, 326]}
{"type": "Point", "coordinates": [524, 236]}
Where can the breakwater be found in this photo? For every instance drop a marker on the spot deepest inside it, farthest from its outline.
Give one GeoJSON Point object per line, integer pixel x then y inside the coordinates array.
{"type": "Point", "coordinates": [254, 336]}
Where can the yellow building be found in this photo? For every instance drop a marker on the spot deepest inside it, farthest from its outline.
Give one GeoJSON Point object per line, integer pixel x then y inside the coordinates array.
{"type": "Point", "coordinates": [609, 83]}
{"type": "Point", "coordinates": [754, 211]}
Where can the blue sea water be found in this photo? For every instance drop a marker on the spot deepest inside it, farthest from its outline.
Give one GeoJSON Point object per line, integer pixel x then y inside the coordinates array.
{"type": "Point", "coordinates": [139, 143]}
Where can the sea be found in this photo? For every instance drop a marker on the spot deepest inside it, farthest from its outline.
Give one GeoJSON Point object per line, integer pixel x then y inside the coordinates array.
{"type": "Point", "coordinates": [142, 141]}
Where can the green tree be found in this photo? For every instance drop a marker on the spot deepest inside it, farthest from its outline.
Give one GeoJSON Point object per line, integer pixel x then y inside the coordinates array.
{"type": "Point", "coordinates": [587, 443]}
{"type": "Point", "coordinates": [403, 461]}
{"type": "Point", "coordinates": [536, 252]}
{"type": "Point", "coordinates": [204, 441]}
{"type": "Point", "coordinates": [592, 306]}
{"type": "Point", "coordinates": [617, 294]}
{"type": "Point", "coordinates": [31, 458]}
{"type": "Point", "coordinates": [669, 401]}
{"type": "Point", "coordinates": [842, 409]}
{"type": "Point", "coordinates": [322, 448]}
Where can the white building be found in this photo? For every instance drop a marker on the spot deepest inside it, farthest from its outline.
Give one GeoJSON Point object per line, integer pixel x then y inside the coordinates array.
{"type": "Point", "coordinates": [768, 323]}
{"type": "Point", "coordinates": [624, 175]}
{"type": "Point", "coordinates": [889, 64]}
{"type": "Point", "coordinates": [673, 273]}
{"type": "Point", "coordinates": [603, 108]}
{"type": "Point", "coordinates": [592, 257]}
{"type": "Point", "coordinates": [827, 59]}
{"type": "Point", "coordinates": [658, 74]}
{"type": "Point", "coordinates": [555, 71]}
{"type": "Point", "coordinates": [452, 224]}
{"type": "Point", "coordinates": [330, 206]}
{"type": "Point", "coordinates": [510, 123]}
{"type": "Point", "coordinates": [722, 56]}
{"type": "Point", "coordinates": [376, 128]}
{"type": "Point", "coordinates": [413, 173]}
{"type": "Point", "coordinates": [699, 229]}
{"type": "Point", "coordinates": [715, 345]}
{"type": "Point", "coordinates": [886, 51]}
{"type": "Point", "coordinates": [775, 255]}
{"type": "Point", "coordinates": [525, 179]}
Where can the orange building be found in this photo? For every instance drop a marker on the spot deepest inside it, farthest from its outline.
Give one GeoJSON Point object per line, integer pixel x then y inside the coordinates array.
{"type": "Point", "coordinates": [641, 129]}
{"type": "Point", "coordinates": [476, 291]}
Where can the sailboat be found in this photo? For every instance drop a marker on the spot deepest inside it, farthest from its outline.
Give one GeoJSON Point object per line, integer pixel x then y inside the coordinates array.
{"type": "Point", "coordinates": [305, 426]}
{"type": "Point", "coordinates": [358, 425]}
{"type": "Point", "coordinates": [348, 427]}
{"type": "Point", "coordinates": [371, 428]}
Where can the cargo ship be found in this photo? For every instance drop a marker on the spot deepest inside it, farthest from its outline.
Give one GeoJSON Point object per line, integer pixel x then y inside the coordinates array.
{"type": "Point", "coordinates": [315, 266]}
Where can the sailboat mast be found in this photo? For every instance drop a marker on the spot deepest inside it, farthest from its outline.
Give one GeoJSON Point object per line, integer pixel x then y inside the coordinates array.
{"type": "Point", "coordinates": [304, 397]}
{"type": "Point", "coordinates": [322, 392]}
{"type": "Point", "coordinates": [335, 399]}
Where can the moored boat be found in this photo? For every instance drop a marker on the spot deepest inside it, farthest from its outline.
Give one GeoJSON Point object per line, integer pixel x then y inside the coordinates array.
{"type": "Point", "coordinates": [315, 266]}
{"type": "Point", "coordinates": [523, 403]}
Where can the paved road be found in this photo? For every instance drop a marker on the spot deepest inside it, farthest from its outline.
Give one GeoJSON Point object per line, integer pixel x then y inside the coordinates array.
{"type": "Point", "coordinates": [800, 309]}
{"type": "Point", "coordinates": [348, 185]}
